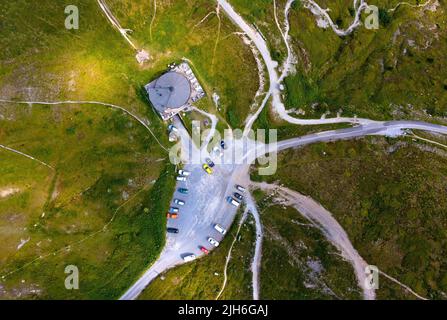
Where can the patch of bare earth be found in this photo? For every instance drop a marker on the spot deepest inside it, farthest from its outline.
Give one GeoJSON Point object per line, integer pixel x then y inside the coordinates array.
{"type": "Point", "coordinates": [6, 192]}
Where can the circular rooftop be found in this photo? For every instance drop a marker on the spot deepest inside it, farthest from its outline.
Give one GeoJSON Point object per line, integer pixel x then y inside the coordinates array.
{"type": "Point", "coordinates": [172, 90]}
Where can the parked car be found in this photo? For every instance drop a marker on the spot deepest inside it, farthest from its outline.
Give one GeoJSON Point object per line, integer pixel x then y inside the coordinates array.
{"type": "Point", "coordinates": [189, 257]}
{"type": "Point", "coordinates": [217, 152]}
{"type": "Point", "coordinates": [207, 168]}
{"type": "Point", "coordinates": [213, 241]}
{"type": "Point", "coordinates": [173, 128]}
{"type": "Point", "coordinates": [172, 230]}
{"type": "Point", "coordinates": [238, 196]}
{"type": "Point", "coordinates": [172, 215]}
{"type": "Point", "coordinates": [233, 201]}
{"type": "Point", "coordinates": [184, 172]}
{"type": "Point", "coordinates": [223, 145]}
{"type": "Point", "coordinates": [220, 229]}
{"type": "Point", "coordinates": [204, 250]}
{"type": "Point", "coordinates": [179, 202]}
{"type": "Point", "coordinates": [183, 190]}
{"type": "Point", "coordinates": [209, 162]}
{"type": "Point", "coordinates": [180, 178]}
{"type": "Point", "coordinates": [173, 210]}
{"type": "Point", "coordinates": [240, 188]}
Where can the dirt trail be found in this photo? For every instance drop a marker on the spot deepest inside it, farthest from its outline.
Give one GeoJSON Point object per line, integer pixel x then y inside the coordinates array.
{"type": "Point", "coordinates": [323, 14]}
{"type": "Point", "coordinates": [402, 285]}
{"type": "Point", "coordinates": [142, 122]}
{"type": "Point", "coordinates": [274, 79]}
{"type": "Point", "coordinates": [26, 155]}
{"type": "Point", "coordinates": [256, 264]}
{"type": "Point", "coordinates": [324, 220]}
{"type": "Point", "coordinates": [212, 130]}
{"type": "Point", "coordinates": [228, 258]}
{"type": "Point", "coordinates": [153, 19]}
{"type": "Point", "coordinates": [114, 21]}
{"type": "Point", "coordinates": [421, 5]}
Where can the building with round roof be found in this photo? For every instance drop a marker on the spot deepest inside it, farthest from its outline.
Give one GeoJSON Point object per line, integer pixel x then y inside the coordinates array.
{"type": "Point", "coordinates": [169, 92]}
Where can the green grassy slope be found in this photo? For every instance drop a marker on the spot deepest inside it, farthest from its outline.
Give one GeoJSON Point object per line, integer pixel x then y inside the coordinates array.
{"type": "Point", "coordinates": [108, 170]}
{"type": "Point", "coordinates": [397, 71]}
{"type": "Point", "coordinates": [297, 261]}
{"type": "Point", "coordinates": [222, 62]}
{"type": "Point", "coordinates": [102, 208]}
{"type": "Point", "coordinates": [389, 197]}
{"type": "Point", "coordinates": [101, 157]}
{"type": "Point", "coordinates": [203, 279]}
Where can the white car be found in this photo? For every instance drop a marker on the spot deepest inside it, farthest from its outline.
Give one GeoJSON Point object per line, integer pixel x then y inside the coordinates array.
{"type": "Point", "coordinates": [179, 202]}
{"type": "Point", "coordinates": [240, 188]}
{"type": "Point", "coordinates": [219, 229]}
{"type": "Point", "coordinates": [184, 173]}
{"type": "Point", "coordinates": [180, 178]}
{"type": "Point", "coordinates": [213, 241]}
{"type": "Point", "coordinates": [189, 258]}
{"type": "Point", "coordinates": [233, 201]}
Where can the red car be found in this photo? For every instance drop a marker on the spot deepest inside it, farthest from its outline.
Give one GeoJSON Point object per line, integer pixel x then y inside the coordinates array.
{"type": "Point", "coordinates": [204, 250]}
{"type": "Point", "coordinates": [172, 215]}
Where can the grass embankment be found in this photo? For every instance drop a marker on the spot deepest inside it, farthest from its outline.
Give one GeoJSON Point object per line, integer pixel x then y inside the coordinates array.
{"type": "Point", "coordinates": [105, 162]}
{"type": "Point", "coordinates": [87, 145]}
{"type": "Point", "coordinates": [102, 208]}
{"type": "Point", "coordinates": [221, 61]}
{"type": "Point", "coordinates": [260, 14]}
{"type": "Point", "coordinates": [388, 196]}
{"type": "Point", "coordinates": [203, 278]}
{"type": "Point", "coordinates": [297, 261]}
{"type": "Point", "coordinates": [371, 73]}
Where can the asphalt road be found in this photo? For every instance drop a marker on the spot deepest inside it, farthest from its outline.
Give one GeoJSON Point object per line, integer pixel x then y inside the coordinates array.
{"type": "Point", "coordinates": [386, 128]}
{"type": "Point", "coordinates": [205, 204]}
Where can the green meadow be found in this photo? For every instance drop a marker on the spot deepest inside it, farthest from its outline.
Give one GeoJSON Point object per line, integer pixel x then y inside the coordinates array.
{"type": "Point", "coordinates": [388, 195]}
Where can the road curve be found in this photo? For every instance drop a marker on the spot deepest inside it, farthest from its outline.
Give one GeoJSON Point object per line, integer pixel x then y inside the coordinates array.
{"type": "Point", "coordinates": [388, 128]}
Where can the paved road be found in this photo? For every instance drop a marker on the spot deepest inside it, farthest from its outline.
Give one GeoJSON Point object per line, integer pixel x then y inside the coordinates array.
{"type": "Point", "coordinates": [387, 128]}
{"type": "Point", "coordinates": [205, 204]}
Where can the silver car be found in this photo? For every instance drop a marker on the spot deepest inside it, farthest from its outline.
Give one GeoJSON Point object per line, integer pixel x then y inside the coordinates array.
{"type": "Point", "coordinates": [220, 229]}
{"type": "Point", "coordinates": [189, 257]}
{"type": "Point", "coordinates": [179, 202]}
{"type": "Point", "coordinates": [213, 241]}
{"type": "Point", "coordinates": [184, 172]}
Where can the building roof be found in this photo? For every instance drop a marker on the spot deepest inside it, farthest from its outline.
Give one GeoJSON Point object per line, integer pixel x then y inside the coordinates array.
{"type": "Point", "coordinates": [171, 91]}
